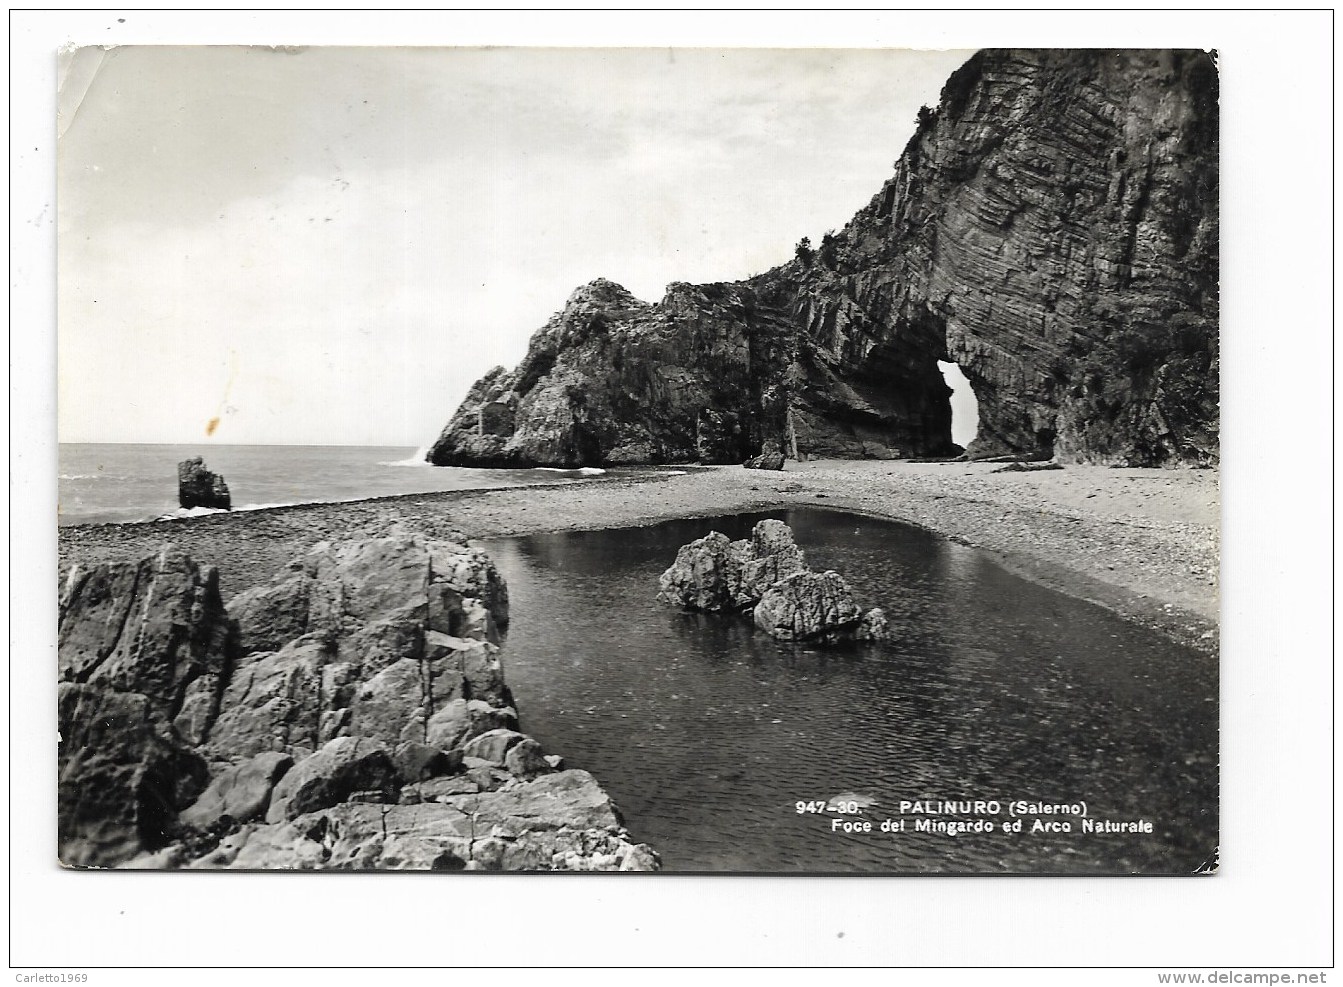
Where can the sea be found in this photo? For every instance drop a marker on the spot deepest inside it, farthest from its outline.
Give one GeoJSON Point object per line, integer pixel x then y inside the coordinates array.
{"type": "Point", "coordinates": [106, 482]}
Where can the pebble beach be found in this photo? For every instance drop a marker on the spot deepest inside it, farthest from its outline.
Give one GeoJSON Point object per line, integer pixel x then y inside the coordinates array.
{"type": "Point", "coordinates": [1140, 542]}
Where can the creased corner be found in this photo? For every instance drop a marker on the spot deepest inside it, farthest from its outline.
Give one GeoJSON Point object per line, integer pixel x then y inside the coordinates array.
{"type": "Point", "coordinates": [79, 67]}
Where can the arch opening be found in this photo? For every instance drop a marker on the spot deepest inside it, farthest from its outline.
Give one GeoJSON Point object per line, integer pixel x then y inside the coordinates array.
{"type": "Point", "coordinates": [964, 404]}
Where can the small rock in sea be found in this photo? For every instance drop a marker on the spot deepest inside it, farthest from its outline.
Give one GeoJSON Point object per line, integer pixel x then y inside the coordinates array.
{"type": "Point", "coordinates": [198, 487]}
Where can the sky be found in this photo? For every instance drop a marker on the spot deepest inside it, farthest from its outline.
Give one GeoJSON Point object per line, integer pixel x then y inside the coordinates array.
{"type": "Point", "coordinates": [329, 245]}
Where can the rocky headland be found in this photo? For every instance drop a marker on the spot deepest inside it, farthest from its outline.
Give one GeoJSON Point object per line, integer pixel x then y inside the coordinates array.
{"type": "Point", "coordinates": [350, 711]}
{"type": "Point", "coordinates": [1051, 227]}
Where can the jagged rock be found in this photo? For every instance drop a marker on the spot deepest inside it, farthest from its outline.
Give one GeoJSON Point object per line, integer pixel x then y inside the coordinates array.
{"type": "Point", "coordinates": [143, 651]}
{"type": "Point", "coordinates": [1051, 227]}
{"type": "Point", "coordinates": [571, 799]}
{"type": "Point", "coordinates": [873, 627]}
{"type": "Point", "coordinates": [240, 793]}
{"type": "Point", "coordinates": [703, 575]}
{"type": "Point", "coordinates": [276, 701]}
{"type": "Point", "coordinates": [123, 774]}
{"type": "Point", "coordinates": [343, 767]}
{"type": "Point", "coordinates": [486, 775]}
{"type": "Point", "coordinates": [560, 821]}
{"type": "Point", "coordinates": [152, 627]}
{"type": "Point", "coordinates": [461, 719]}
{"type": "Point", "coordinates": [492, 747]}
{"type": "Point", "coordinates": [392, 629]}
{"type": "Point", "coordinates": [768, 573]}
{"type": "Point", "coordinates": [390, 706]}
{"type": "Point", "coordinates": [470, 573]}
{"type": "Point", "coordinates": [366, 647]}
{"type": "Point", "coordinates": [527, 759]}
{"type": "Point", "coordinates": [420, 762]}
{"type": "Point", "coordinates": [442, 789]}
{"type": "Point", "coordinates": [270, 616]}
{"type": "Point", "coordinates": [198, 487]}
{"type": "Point", "coordinates": [713, 573]}
{"type": "Point", "coordinates": [808, 605]}
{"type": "Point", "coordinates": [765, 461]}
{"type": "Point", "coordinates": [769, 555]}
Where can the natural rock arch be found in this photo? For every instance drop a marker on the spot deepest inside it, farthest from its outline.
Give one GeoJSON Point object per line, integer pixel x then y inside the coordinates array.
{"type": "Point", "coordinates": [1052, 228]}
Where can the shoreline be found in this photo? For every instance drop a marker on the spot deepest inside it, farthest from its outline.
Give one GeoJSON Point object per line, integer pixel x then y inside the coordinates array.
{"type": "Point", "coordinates": [1142, 543]}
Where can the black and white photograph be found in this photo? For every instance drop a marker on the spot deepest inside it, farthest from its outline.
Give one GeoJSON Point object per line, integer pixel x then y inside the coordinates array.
{"type": "Point", "coordinates": [781, 473]}
{"type": "Point", "coordinates": [777, 541]}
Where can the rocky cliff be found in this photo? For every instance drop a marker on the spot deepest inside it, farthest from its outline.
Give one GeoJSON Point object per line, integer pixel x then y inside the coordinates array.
{"type": "Point", "coordinates": [1051, 227]}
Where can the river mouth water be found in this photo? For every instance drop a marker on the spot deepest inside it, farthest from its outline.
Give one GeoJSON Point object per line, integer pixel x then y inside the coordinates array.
{"type": "Point", "coordinates": [708, 733]}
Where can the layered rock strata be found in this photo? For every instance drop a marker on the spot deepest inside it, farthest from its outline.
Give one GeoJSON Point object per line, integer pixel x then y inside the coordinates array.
{"type": "Point", "coordinates": [350, 713]}
{"type": "Point", "coordinates": [1051, 227]}
{"type": "Point", "coordinates": [767, 576]}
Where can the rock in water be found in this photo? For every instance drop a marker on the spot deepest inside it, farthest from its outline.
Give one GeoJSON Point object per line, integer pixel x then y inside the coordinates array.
{"type": "Point", "coordinates": [703, 575]}
{"type": "Point", "coordinates": [768, 574]}
{"type": "Point", "coordinates": [1051, 227]}
{"type": "Point", "coordinates": [713, 573]}
{"type": "Point", "coordinates": [808, 605]}
{"type": "Point", "coordinates": [198, 487]}
{"type": "Point", "coordinates": [769, 555]}
{"type": "Point", "coordinates": [873, 627]}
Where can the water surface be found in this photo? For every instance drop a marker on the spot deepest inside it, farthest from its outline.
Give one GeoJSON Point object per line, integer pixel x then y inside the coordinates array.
{"type": "Point", "coordinates": [707, 733]}
{"type": "Point", "coordinates": [114, 482]}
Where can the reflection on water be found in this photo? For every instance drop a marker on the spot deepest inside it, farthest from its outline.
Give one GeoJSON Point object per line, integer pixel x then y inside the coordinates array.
{"type": "Point", "coordinates": [707, 733]}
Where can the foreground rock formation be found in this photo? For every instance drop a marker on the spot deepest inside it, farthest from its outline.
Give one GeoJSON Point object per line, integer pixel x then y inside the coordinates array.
{"type": "Point", "coordinates": [1052, 227]}
{"type": "Point", "coordinates": [767, 575]}
{"type": "Point", "coordinates": [350, 713]}
{"type": "Point", "coordinates": [198, 487]}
